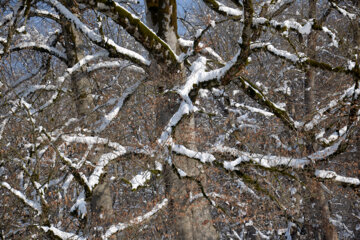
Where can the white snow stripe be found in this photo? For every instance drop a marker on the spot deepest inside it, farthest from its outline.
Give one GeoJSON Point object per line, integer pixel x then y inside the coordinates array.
{"type": "Point", "coordinates": [94, 37]}
{"type": "Point", "coordinates": [51, 50]}
{"type": "Point", "coordinates": [229, 11]}
{"type": "Point", "coordinates": [114, 112]}
{"type": "Point", "coordinates": [333, 175]}
{"type": "Point", "coordinates": [34, 205]}
{"type": "Point", "coordinates": [343, 11]}
{"type": "Point", "coordinates": [267, 161]}
{"type": "Point", "coordinates": [61, 234]}
{"type": "Point", "coordinates": [202, 156]}
{"type": "Point", "coordinates": [121, 226]}
{"type": "Point", "coordinates": [140, 179]}
{"type": "Point", "coordinates": [80, 205]}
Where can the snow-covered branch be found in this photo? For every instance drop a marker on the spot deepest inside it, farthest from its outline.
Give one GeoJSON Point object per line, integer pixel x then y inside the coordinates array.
{"type": "Point", "coordinates": [39, 47]}
{"type": "Point", "coordinates": [338, 178]}
{"type": "Point", "coordinates": [255, 93]}
{"type": "Point", "coordinates": [136, 28]}
{"type": "Point", "coordinates": [286, 25]}
{"type": "Point", "coordinates": [106, 120]}
{"type": "Point", "coordinates": [61, 234]}
{"type": "Point", "coordinates": [208, 51]}
{"type": "Point", "coordinates": [114, 64]}
{"type": "Point", "coordinates": [342, 11]}
{"type": "Point", "coordinates": [322, 114]}
{"type": "Point", "coordinates": [121, 226]}
{"type": "Point", "coordinates": [280, 53]}
{"type": "Point", "coordinates": [266, 161]}
{"type": "Point", "coordinates": [114, 49]}
{"type": "Point", "coordinates": [103, 161]}
{"type": "Point", "coordinates": [34, 205]}
{"type": "Point", "coordinates": [223, 9]}
{"type": "Point", "coordinates": [301, 59]}
{"type": "Point", "coordinates": [44, 14]}
{"type": "Point", "coordinates": [182, 150]}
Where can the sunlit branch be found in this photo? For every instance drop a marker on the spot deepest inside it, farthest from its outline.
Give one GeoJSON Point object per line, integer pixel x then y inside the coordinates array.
{"type": "Point", "coordinates": [114, 49]}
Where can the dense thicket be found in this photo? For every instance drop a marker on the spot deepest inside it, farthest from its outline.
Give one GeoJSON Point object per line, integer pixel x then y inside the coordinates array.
{"type": "Point", "coordinates": [233, 119]}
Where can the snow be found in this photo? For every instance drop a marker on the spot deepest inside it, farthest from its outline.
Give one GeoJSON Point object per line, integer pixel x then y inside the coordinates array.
{"type": "Point", "coordinates": [158, 166]}
{"type": "Point", "coordinates": [198, 75]}
{"type": "Point", "coordinates": [94, 37]}
{"type": "Point", "coordinates": [185, 43]}
{"type": "Point", "coordinates": [285, 89]}
{"type": "Point", "coordinates": [198, 33]}
{"type": "Point", "coordinates": [61, 234]}
{"type": "Point", "coordinates": [289, 24]}
{"type": "Point", "coordinates": [181, 172]}
{"type": "Point", "coordinates": [204, 49]}
{"type": "Point", "coordinates": [230, 165]}
{"type": "Point", "coordinates": [282, 53]}
{"type": "Point", "coordinates": [45, 13]}
{"type": "Point", "coordinates": [252, 109]}
{"type": "Point", "coordinates": [267, 161]}
{"type": "Point", "coordinates": [183, 109]}
{"type": "Point", "coordinates": [203, 157]}
{"type": "Point", "coordinates": [319, 116]}
{"type": "Point", "coordinates": [259, 20]}
{"type": "Point", "coordinates": [127, 52]}
{"type": "Point", "coordinates": [100, 166]}
{"type": "Point", "coordinates": [80, 205]}
{"type": "Point", "coordinates": [292, 24]}
{"type": "Point", "coordinates": [334, 136]}
{"type": "Point", "coordinates": [49, 49]}
{"type": "Point", "coordinates": [114, 112]}
{"type": "Point", "coordinates": [343, 11]}
{"type": "Point", "coordinates": [90, 140]}
{"type": "Point", "coordinates": [114, 64]}
{"type": "Point", "coordinates": [2, 126]}
{"type": "Point", "coordinates": [334, 43]}
{"type": "Point", "coordinates": [326, 152]}
{"type": "Point", "coordinates": [103, 160]}
{"type": "Point", "coordinates": [333, 175]}
{"type": "Point", "coordinates": [278, 52]}
{"type": "Point", "coordinates": [140, 179]}
{"type": "Point", "coordinates": [230, 11]}
{"type": "Point", "coordinates": [351, 65]}
{"type": "Point", "coordinates": [121, 226]}
{"type": "Point", "coordinates": [21, 29]}
{"type": "Point", "coordinates": [243, 186]}
{"type": "Point", "coordinates": [34, 205]}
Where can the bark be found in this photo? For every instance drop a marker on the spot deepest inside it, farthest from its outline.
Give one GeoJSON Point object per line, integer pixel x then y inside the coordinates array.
{"type": "Point", "coordinates": [322, 211]}
{"type": "Point", "coordinates": [310, 74]}
{"type": "Point", "coordinates": [189, 220]}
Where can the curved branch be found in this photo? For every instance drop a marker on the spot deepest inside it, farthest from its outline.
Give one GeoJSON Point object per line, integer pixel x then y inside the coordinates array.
{"type": "Point", "coordinates": [161, 51]}
{"type": "Point", "coordinates": [221, 9]}
{"type": "Point", "coordinates": [44, 14]}
{"type": "Point", "coordinates": [104, 42]}
{"type": "Point", "coordinates": [121, 226]}
{"type": "Point", "coordinates": [256, 94]}
{"type": "Point", "coordinates": [41, 48]}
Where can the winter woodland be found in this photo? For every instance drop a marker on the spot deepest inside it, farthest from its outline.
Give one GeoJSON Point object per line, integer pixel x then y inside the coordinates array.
{"type": "Point", "coordinates": [165, 119]}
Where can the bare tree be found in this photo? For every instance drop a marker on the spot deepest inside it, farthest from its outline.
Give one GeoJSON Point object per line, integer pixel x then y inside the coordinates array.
{"type": "Point", "coordinates": [169, 119]}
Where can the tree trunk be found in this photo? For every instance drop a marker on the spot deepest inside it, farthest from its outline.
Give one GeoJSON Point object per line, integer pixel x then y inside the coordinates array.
{"type": "Point", "coordinates": [101, 201]}
{"type": "Point", "coordinates": [322, 211]}
{"type": "Point", "coordinates": [189, 219]}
